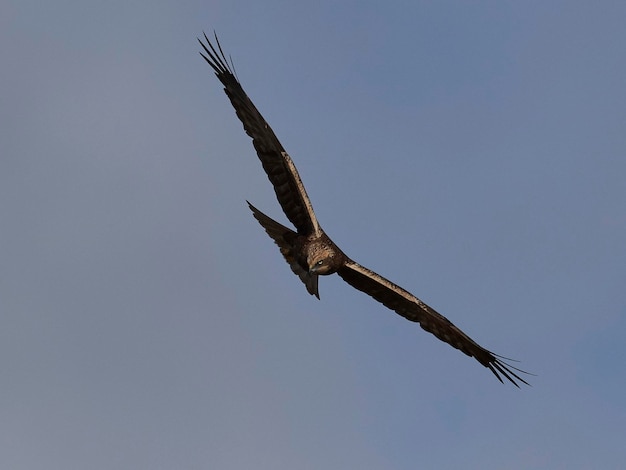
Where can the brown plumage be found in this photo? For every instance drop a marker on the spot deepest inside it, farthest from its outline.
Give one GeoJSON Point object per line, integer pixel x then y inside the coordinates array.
{"type": "Point", "coordinates": [308, 250]}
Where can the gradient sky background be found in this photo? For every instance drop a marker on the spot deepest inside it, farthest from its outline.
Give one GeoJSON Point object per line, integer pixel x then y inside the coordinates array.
{"type": "Point", "coordinates": [472, 152]}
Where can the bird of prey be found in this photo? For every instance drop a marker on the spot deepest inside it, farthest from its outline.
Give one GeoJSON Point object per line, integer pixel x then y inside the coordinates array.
{"type": "Point", "coordinates": [309, 251]}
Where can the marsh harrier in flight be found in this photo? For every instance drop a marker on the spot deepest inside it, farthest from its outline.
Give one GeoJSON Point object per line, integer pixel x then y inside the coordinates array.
{"type": "Point", "coordinates": [309, 251]}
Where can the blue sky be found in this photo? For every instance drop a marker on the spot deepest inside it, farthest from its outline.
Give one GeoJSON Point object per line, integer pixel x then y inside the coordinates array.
{"type": "Point", "coordinates": [472, 152]}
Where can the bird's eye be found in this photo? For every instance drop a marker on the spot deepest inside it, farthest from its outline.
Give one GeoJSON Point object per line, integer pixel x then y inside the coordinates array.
{"type": "Point", "coordinates": [320, 262]}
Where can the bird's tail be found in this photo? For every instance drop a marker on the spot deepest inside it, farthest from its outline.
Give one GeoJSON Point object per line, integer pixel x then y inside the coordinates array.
{"type": "Point", "coordinates": [285, 239]}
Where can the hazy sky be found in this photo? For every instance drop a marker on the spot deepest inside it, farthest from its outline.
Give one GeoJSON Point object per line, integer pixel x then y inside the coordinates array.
{"type": "Point", "coordinates": [472, 152]}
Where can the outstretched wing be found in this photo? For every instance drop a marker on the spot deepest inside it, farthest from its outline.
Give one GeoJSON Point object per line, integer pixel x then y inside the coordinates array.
{"type": "Point", "coordinates": [276, 162]}
{"type": "Point", "coordinates": [412, 308]}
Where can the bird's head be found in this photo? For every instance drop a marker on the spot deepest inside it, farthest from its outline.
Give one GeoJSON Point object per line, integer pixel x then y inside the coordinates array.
{"type": "Point", "coordinates": [319, 265]}
{"type": "Point", "coordinates": [323, 257]}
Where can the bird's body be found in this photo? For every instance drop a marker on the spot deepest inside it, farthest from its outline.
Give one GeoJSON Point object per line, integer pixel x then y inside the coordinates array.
{"type": "Point", "coordinates": [309, 255]}
{"type": "Point", "coordinates": [309, 251]}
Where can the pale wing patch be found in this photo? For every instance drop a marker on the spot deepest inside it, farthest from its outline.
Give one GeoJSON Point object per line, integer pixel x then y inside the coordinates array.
{"type": "Point", "coordinates": [387, 283]}
{"type": "Point", "coordinates": [302, 191]}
